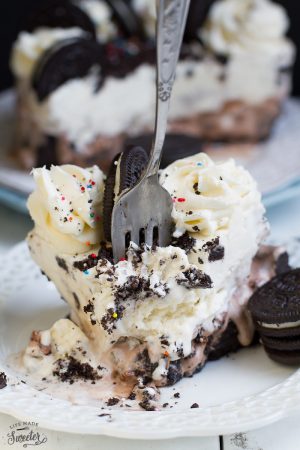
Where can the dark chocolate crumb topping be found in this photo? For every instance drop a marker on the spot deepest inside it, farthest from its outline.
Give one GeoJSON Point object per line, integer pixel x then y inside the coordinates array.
{"type": "Point", "coordinates": [214, 249]}
{"type": "Point", "coordinates": [105, 254]}
{"type": "Point", "coordinates": [3, 380]}
{"type": "Point", "coordinates": [185, 242]}
{"type": "Point", "coordinates": [177, 395]}
{"type": "Point", "coordinates": [70, 370]}
{"type": "Point", "coordinates": [194, 278]}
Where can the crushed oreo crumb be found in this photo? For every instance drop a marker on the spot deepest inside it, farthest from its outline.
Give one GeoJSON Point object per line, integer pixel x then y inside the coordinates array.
{"type": "Point", "coordinates": [185, 242]}
{"type": "Point", "coordinates": [132, 396]}
{"type": "Point", "coordinates": [108, 321]}
{"type": "Point", "coordinates": [71, 370]}
{"type": "Point", "coordinates": [77, 302]}
{"type": "Point", "coordinates": [196, 189]}
{"type": "Point", "coordinates": [214, 249]}
{"type": "Point", "coordinates": [194, 279]}
{"type": "Point", "coordinates": [112, 401]}
{"type": "Point", "coordinates": [104, 415]}
{"type": "Point", "coordinates": [177, 395]}
{"type": "Point", "coordinates": [62, 263]}
{"type": "Point", "coordinates": [195, 405]}
{"type": "Point", "coordinates": [165, 405]}
{"type": "Point", "coordinates": [3, 380]}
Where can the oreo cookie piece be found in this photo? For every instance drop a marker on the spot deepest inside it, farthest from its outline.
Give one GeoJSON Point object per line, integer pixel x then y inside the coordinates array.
{"type": "Point", "coordinates": [196, 17]}
{"type": "Point", "coordinates": [126, 170]}
{"type": "Point", "coordinates": [228, 343]}
{"type": "Point", "coordinates": [71, 58]}
{"type": "Point", "coordinates": [59, 14]}
{"type": "Point", "coordinates": [127, 19]}
{"type": "Point", "coordinates": [275, 307]}
{"type": "Point", "coordinates": [176, 146]}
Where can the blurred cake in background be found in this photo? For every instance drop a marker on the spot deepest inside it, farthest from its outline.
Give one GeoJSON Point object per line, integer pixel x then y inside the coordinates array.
{"type": "Point", "coordinates": [85, 76]}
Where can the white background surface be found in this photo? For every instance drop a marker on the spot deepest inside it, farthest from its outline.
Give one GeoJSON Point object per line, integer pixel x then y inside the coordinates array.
{"type": "Point", "coordinates": [285, 435]}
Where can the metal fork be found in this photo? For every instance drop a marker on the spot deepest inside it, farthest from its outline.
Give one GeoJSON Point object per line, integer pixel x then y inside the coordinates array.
{"type": "Point", "coordinates": [144, 212]}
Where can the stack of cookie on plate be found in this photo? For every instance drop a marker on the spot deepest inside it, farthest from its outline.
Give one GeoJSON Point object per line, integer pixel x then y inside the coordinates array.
{"type": "Point", "coordinates": [275, 309]}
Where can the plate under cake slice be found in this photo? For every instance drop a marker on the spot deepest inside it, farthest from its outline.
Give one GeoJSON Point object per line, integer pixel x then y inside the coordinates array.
{"type": "Point", "coordinates": [155, 316]}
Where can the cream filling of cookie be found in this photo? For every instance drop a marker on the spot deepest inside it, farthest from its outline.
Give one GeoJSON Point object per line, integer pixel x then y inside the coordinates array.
{"type": "Point", "coordinates": [279, 326]}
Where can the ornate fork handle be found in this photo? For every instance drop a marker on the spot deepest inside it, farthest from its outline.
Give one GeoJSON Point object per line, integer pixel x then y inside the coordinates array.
{"type": "Point", "coordinates": [172, 15]}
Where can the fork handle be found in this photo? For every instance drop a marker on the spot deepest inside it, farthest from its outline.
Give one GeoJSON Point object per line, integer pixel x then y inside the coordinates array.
{"type": "Point", "coordinates": [171, 21]}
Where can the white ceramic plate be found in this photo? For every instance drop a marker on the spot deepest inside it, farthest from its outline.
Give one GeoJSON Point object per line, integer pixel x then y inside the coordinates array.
{"type": "Point", "coordinates": [275, 164]}
{"type": "Point", "coordinates": [237, 393]}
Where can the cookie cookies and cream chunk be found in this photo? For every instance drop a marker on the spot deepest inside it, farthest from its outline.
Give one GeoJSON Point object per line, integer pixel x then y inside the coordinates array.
{"type": "Point", "coordinates": [158, 313]}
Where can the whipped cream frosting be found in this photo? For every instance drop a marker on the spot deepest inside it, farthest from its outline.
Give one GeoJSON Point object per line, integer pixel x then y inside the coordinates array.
{"type": "Point", "coordinates": [235, 26]}
{"type": "Point", "coordinates": [67, 206]}
{"type": "Point", "coordinates": [207, 194]}
{"type": "Point", "coordinates": [147, 11]}
{"type": "Point", "coordinates": [30, 46]}
{"type": "Point", "coordinates": [101, 15]}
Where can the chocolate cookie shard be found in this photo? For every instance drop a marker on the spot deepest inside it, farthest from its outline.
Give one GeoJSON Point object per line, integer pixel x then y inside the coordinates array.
{"type": "Point", "coordinates": [59, 14]}
{"type": "Point", "coordinates": [128, 21]}
{"type": "Point", "coordinates": [276, 305]}
{"type": "Point", "coordinates": [126, 170]}
{"type": "Point", "coordinates": [197, 15]}
{"type": "Point", "coordinates": [71, 58]}
{"type": "Point", "coordinates": [3, 380]}
{"type": "Point", "coordinates": [227, 343]}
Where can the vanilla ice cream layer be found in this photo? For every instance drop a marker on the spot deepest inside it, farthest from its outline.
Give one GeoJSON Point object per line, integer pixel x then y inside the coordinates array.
{"type": "Point", "coordinates": [163, 298]}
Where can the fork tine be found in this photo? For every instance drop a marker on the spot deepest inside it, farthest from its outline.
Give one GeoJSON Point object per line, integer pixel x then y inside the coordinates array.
{"type": "Point", "coordinates": [135, 235]}
{"type": "Point", "coordinates": [163, 234]}
{"type": "Point", "coordinates": [149, 234]}
{"type": "Point", "coordinates": [119, 245]}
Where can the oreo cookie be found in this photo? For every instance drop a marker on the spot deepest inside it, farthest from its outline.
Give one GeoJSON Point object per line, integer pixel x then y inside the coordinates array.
{"type": "Point", "coordinates": [126, 170]}
{"type": "Point", "coordinates": [59, 14]}
{"type": "Point", "coordinates": [196, 17]}
{"type": "Point", "coordinates": [71, 58]}
{"type": "Point", "coordinates": [130, 24]}
{"type": "Point", "coordinates": [275, 307]}
{"type": "Point", "coordinates": [176, 146]}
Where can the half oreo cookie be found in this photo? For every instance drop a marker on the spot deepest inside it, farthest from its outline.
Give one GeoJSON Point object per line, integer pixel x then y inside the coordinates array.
{"type": "Point", "coordinates": [124, 173]}
{"type": "Point", "coordinates": [59, 14]}
{"type": "Point", "coordinates": [71, 58]}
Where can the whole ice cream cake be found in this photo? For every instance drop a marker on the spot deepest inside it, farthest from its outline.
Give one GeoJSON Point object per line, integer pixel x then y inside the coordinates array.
{"type": "Point", "coordinates": [160, 313]}
{"type": "Point", "coordinates": [77, 76]}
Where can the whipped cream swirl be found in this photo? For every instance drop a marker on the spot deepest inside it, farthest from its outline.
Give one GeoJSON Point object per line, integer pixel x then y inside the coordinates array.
{"type": "Point", "coordinates": [101, 14]}
{"type": "Point", "coordinates": [67, 206]}
{"type": "Point", "coordinates": [30, 46]}
{"type": "Point", "coordinates": [236, 26]}
{"type": "Point", "coordinates": [207, 194]}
